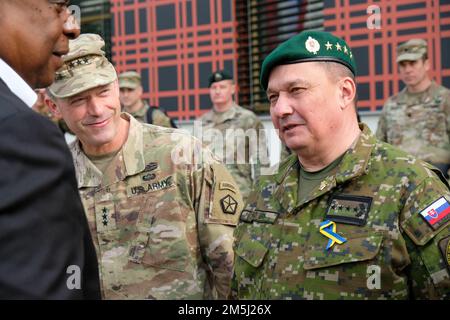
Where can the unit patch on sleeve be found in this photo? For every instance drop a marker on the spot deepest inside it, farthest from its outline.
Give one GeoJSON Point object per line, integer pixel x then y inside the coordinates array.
{"type": "Point", "coordinates": [349, 209]}
{"type": "Point", "coordinates": [437, 213]}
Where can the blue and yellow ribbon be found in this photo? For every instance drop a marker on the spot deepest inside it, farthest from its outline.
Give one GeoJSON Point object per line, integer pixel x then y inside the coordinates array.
{"type": "Point", "coordinates": [328, 229]}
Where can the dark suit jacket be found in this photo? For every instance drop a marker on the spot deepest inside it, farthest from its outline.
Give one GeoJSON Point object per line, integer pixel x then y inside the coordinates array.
{"type": "Point", "coordinates": [43, 227]}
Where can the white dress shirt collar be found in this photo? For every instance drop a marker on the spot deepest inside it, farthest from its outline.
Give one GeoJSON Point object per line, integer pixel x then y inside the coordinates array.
{"type": "Point", "coordinates": [16, 84]}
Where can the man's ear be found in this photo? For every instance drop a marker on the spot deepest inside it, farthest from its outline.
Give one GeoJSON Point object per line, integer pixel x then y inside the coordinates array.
{"type": "Point", "coordinates": [52, 107]}
{"type": "Point", "coordinates": [427, 65]}
{"type": "Point", "coordinates": [348, 92]}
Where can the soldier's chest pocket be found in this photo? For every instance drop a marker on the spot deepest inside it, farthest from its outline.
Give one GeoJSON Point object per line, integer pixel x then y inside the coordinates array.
{"type": "Point", "coordinates": [255, 236]}
{"type": "Point", "coordinates": [348, 263]}
{"type": "Point", "coordinates": [152, 227]}
{"type": "Point", "coordinates": [434, 117]}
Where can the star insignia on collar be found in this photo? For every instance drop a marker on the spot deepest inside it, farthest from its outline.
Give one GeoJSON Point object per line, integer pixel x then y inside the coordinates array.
{"type": "Point", "coordinates": [345, 50]}
{"type": "Point", "coordinates": [328, 45]}
{"type": "Point", "coordinates": [338, 46]}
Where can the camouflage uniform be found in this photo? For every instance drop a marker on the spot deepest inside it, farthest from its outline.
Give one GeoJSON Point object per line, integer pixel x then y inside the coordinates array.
{"type": "Point", "coordinates": [376, 199]}
{"type": "Point", "coordinates": [419, 123]}
{"type": "Point", "coordinates": [159, 117]}
{"type": "Point", "coordinates": [162, 230]}
{"type": "Point", "coordinates": [237, 118]}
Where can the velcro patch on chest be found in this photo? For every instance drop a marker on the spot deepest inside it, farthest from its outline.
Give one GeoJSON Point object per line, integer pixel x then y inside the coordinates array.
{"type": "Point", "coordinates": [104, 216]}
{"type": "Point", "coordinates": [155, 185]}
{"type": "Point", "coordinates": [349, 209]}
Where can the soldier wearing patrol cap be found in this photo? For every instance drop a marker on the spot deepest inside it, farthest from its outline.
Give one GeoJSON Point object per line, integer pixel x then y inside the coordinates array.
{"type": "Point", "coordinates": [131, 99]}
{"type": "Point", "coordinates": [346, 216]}
{"type": "Point", "coordinates": [244, 158]}
{"type": "Point", "coordinates": [162, 227]}
{"type": "Point", "coordinates": [417, 119]}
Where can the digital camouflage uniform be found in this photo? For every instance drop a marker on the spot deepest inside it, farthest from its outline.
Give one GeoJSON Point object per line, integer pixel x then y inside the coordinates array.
{"type": "Point", "coordinates": [419, 123]}
{"type": "Point", "coordinates": [375, 198]}
{"type": "Point", "coordinates": [248, 169]}
{"type": "Point", "coordinates": [162, 230]}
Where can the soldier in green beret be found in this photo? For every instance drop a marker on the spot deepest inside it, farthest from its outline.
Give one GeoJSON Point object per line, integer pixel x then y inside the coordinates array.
{"type": "Point", "coordinates": [131, 99]}
{"type": "Point", "coordinates": [346, 216]}
{"type": "Point", "coordinates": [417, 119]}
{"type": "Point", "coordinates": [162, 222]}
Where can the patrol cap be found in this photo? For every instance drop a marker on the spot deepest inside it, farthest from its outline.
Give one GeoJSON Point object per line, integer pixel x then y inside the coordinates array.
{"type": "Point", "coordinates": [219, 75]}
{"type": "Point", "coordinates": [129, 80]}
{"type": "Point", "coordinates": [85, 67]}
{"type": "Point", "coordinates": [411, 50]}
{"type": "Point", "coordinates": [308, 46]}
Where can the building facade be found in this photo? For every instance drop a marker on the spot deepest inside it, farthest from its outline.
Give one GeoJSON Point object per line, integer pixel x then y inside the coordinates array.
{"type": "Point", "coordinates": [176, 44]}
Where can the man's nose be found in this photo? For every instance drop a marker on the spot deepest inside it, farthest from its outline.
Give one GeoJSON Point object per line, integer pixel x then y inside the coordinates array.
{"type": "Point", "coordinates": [71, 27]}
{"type": "Point", "coordinates": [94, 106]}
{"type": "Point", "coordinates": [282, 107]}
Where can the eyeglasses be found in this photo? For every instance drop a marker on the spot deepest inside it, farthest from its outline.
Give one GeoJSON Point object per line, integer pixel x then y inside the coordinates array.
{"type": "Point", "coordinates": [60, 2]}
{"type": "Point", "coordinates": [61, 5]}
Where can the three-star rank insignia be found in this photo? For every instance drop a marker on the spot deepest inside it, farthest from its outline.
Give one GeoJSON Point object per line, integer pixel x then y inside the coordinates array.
{"type": "Point", "coordinates": [228, 204]}
{"type": "Point", "coordinates": [105, 219]}
{"type": "Point", "coordinates": [105, 216]}
{"type": "Point", "coordinates": [349, 209]}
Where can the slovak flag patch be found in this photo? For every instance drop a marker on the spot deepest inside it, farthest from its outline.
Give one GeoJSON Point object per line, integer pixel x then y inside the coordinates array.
{"type": "Point", "coordinates": [436, 212]}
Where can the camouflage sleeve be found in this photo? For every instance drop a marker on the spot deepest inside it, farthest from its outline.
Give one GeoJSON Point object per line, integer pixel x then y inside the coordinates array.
{"type": "Point", "coordinates": [260, 159]}
{"type": "Point", "coordinates": [253, 200]}
{"type": "Point", "coordinates": [428, 240]}
{"type": "Point", "coordinates": [218, 207]}
{"type": "Point", "coordinates": [381, 133]}
{"type": "Point", "coordinates": [447, 111]}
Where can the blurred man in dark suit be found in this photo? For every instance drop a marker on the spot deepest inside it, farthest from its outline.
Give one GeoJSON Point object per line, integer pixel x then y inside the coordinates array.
{"type": "Point", "coordinates": [46, 251]}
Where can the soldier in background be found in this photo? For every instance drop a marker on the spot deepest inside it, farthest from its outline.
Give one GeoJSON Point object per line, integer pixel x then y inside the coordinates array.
{"type": "Point", "coordinates": [40, 107]}
{"type": "Point", "coordinates": [131, 99]}
{"type": "Point", "coordinates": [228, 118]}
{"type": "Point", "coordinates": [349, 217]}
{"type": "Point", "coordinates": [162, 220]}
{"type": "Point", "coordinates": [417, 120]}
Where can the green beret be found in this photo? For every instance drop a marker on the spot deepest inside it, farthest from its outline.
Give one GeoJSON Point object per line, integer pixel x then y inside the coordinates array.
{"type": "Point", "coordinates": [308, 46]}
{"type": "Point", "coordinates": [219, 75]}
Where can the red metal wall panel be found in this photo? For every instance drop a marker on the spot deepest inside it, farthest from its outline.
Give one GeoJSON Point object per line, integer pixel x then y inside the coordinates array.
{"type": "Point", "coordinates": [375, 49]}
{"type": "Point", "coordinates": [176, 48]}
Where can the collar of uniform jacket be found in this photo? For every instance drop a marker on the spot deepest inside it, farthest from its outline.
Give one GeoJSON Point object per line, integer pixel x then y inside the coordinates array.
{"type": "Point", "coordinates": [221, 117]}
{"type": "Point", "coordinates": [128, 162]}
{"type": "Point", "coordinates": [142, 112]}
{"type": "Point", "coordinates": [354, 164]}
{"type": "Point", "coordinates": [404, 97]}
